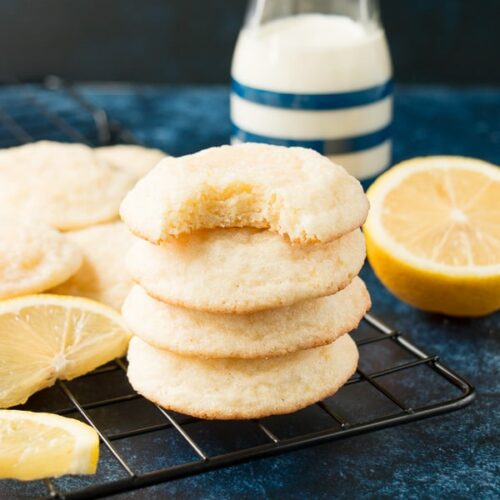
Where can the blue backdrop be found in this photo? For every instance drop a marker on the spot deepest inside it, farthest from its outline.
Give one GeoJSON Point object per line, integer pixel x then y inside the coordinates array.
{"type": "Point", "coordinates": [191, 41]}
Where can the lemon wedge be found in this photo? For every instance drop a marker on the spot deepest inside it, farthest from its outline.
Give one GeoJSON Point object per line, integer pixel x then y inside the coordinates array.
{"type": "Point", "coordinates": [46, 337]}
{"type": "Point", "coordinates": [433, 234]}
{"type": "Point", "coordinates": [38, 445]}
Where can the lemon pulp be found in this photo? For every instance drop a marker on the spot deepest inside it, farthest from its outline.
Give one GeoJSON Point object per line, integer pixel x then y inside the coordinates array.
{"type": "Point", "coordinates": [46, 337]}
{"type": "Point", "coordinates": [38, 445]}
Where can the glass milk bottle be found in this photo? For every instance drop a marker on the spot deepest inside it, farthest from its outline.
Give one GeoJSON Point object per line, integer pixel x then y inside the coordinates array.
{"type": "Point", "coordinates": [317, 74]}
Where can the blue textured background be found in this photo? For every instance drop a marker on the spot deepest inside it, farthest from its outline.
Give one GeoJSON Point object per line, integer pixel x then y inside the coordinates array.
{"type": "Point", "coordinates": [454, 455]}
{"type": "Point", "coordinates": [191, 41]}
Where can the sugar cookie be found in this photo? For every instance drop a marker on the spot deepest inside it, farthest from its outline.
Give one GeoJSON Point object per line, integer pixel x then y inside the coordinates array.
{"type": "Point", "coordinates": [102, 276]}
{"type": "Point", "coordinates": [275, 332]}
{"type": "Point", "coordinates": [243, 270]}
{"type": "Point", "coordinates": [66, 185]}
{"type": "Point", "coordinates": [240, 388]}
{"type": "Point", "coordinates": [295, 192]}
{"type": "Point", "coordinates": [34, 257]}
{"type": "Point", "coordinates": [136, 160]}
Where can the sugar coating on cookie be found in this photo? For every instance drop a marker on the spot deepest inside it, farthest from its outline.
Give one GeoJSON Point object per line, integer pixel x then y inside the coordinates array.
{"type": "Point", "coordinates": [134, 159]}
{"type": "Point", "coordinates": [295, 192]}
{"type": "Point", "coordinates": [34, 257]}
{"type": "Point", "coordinates": [240, 388]}
{"type": "Point", "coordinates": [102, 276]}
{"type": "Point", "coordinates": [243, 270]}
{"type": "Point", "coordinates": [275, 332]}
{"type": "Point", "coordinates": [66, 185]}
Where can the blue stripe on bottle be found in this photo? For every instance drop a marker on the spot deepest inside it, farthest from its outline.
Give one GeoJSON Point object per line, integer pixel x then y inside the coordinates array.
{"type": "Point", "coordinates": [323, 146]}
{"type": "Point", "coordinates": [337, 100]}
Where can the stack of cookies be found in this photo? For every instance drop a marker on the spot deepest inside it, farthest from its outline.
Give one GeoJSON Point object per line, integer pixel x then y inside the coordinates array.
{"type": "Point", "coordinates": [246, 269]}
{"type": "Point", "coordinates": [59, 231]}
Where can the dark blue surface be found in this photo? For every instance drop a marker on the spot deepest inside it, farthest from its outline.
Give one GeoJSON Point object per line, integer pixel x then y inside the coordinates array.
{"type": "Point", "coordinates": [427, 120]}
{"type": "Point", "coordinates": [454, 455]}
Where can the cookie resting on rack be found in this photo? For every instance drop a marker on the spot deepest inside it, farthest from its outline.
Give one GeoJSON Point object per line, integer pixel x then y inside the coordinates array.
{"type": "Point", "coordinates": [240, 388]}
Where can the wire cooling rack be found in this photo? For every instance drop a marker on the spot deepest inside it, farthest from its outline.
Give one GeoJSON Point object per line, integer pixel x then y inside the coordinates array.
{"type": "Point", "coordinates": [143, 444]}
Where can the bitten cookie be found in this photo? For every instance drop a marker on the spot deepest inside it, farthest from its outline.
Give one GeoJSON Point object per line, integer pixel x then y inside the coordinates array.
{"type": "Point", "coordinates": [295, 192]}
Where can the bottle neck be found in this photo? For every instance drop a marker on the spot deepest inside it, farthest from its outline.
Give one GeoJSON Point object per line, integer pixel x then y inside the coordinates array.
{"type": "Point", "coordinates": [365, 12]}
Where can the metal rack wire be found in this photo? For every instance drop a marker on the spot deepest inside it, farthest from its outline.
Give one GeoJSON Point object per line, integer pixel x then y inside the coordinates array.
{"type": "Point", "coordinates": [143, 444]}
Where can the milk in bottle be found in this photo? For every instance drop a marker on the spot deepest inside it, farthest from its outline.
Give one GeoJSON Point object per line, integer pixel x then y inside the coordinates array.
{"type": "Point", "coordinates": [315, 80]}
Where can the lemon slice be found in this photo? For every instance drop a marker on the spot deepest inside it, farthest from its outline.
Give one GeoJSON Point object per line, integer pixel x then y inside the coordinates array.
{"type": "Point", "coordinates": [433, 234]}
{"type": "Point", "coordinates": [46, 337]}
{"type": "Point", "coordinates": [38, 445]}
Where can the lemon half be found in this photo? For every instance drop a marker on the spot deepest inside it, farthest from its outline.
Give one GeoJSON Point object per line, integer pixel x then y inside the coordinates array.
{"type": "Point", "coordinates": [46, 337]}
{"type": "Point", "coordinates": [38, 445]}
{"type": "Point", "coordinates": [433, 234]}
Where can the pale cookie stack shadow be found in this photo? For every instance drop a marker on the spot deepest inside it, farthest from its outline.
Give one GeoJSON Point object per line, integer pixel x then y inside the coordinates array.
{"type": "Point", "coordinates": [246, 280]}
